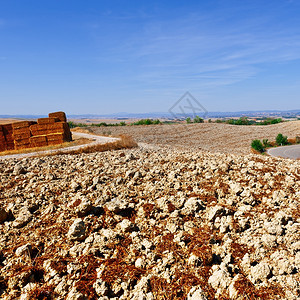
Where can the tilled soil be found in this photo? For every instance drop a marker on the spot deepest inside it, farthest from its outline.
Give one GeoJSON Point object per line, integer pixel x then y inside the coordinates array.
{"type": "Point", "coordinates": [150, 223]}
{"type": "Point", "coordinates": [207, 136]}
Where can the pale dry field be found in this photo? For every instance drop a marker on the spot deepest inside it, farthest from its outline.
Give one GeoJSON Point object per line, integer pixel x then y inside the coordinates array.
{"type": "Point", "coordinates": [8, 121]}
{"type": "Point", "coordinates": [208, 136]}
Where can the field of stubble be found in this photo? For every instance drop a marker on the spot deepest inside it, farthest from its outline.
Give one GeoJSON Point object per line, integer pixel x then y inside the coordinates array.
{"type": "Point", "coordinates": [206, 136]}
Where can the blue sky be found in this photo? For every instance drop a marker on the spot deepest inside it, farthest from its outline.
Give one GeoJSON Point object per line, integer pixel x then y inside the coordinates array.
{"type": "Point", "coordinates": [105, 57]}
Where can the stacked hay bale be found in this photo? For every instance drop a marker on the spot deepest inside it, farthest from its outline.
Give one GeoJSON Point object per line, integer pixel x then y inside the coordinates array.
{"type": "Point", "coordinates": [6, 137]}
{"type": "Point", "coordinates": [50, 131]}
{"type": "Point", "coordinates": [28, 134]}
{"type": "Point", "coordinates": [22, 134]}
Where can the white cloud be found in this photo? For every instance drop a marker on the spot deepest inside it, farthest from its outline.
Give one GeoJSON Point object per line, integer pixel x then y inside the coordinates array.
{"type": "Point", "coordinates": [204, 51]}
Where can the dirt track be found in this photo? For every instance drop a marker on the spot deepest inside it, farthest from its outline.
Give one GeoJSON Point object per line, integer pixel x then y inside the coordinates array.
{"type": "Point", "coordinates": [96, 140]}
{"type": "Point", "coordinates": [209, 136]}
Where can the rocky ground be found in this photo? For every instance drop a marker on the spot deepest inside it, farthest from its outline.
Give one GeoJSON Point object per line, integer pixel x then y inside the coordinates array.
{"type": "Point", "coordinates": [150, 223]}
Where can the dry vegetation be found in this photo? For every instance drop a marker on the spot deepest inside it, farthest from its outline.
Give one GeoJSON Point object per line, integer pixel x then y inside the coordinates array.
{"type": "Point", "coordinates": [207, 136]}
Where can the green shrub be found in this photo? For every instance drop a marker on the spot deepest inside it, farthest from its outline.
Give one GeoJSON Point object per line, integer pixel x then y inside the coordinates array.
{"type": "Point", "coordinates": [281, 140]}
{"type": "Point", "coordinates": [266, 143]}
{"type": "Point", "coordinates": [73, 125]}
{"type": "Point", "coordinates": [257, 145]}
{"type": "Point", "coordinates": [197, 119]}
{"type": "Point", "coordinates": [188, 120]}
{"type": "Point", "coordinates": [146, 122]}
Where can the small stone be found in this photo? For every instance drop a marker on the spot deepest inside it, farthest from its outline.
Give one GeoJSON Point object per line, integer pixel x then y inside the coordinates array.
{"type": "Point", "coordinates": [84, 208]}
{"type": "Point", "coordinates": [260, 272]}
{"type": "Point", "coordinates": [77, 230]}
{"type": "Point", "coordinates": [215, 211]}
{"type": "Point", "coordinates": [75, 186]}
{"type": "Point", "coordinates": [3, 215]}
{"type": "Point", "coordinates": [139, 263]}
{"type": "Point", "coordinates": [192, 205]}
{"type": "Point", "coordinates": [126, 225]}
{"type": "Point", "coordinates": [194, 261]}
{"type": "Point", "coordinates": [75, 295]}
{"type": "Point", "coordinates": [18, 170]}
{"type": "Point", "coordinates": [24, 250]}
{"type": "Point", "coordinates": [116, 205]}
{"type": "Point", "coordinates": [282, 264]}
{"type": "Point", "coordinates": [236, 188]}
{"type": "Point", "coordinates": [100, 287]}
{"type": "Point", "coordinates": [196, 293]}
{"type": "Point", "coordinates": [24, 216]}
{"type": "Point", "coordinates": [219, 279]}
{"type": "Point", "coordinates": [269, 240]}
{"type": "Point", "coordinates": [274, 228]}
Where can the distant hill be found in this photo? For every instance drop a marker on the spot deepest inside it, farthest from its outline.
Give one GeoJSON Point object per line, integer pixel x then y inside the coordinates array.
{"type": "Point", "coordinates": [167, 115]}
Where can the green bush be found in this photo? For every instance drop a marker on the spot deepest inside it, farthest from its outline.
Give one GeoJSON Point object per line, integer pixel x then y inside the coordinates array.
{"type": "Point", "coordinates": [257, 145]}
{"type": "Point", "coordinates": [266, 143]}
{"type": "Point", "coordinates": [197, 119]}
{"type": "Point", "coordinates": [281, 140]}
{"type": "Point", "coordinates": [147, 122]}
{"type": "Point", "coordinates": [188, 120]}
{"type": "Point", "coordinates": [73, 125]}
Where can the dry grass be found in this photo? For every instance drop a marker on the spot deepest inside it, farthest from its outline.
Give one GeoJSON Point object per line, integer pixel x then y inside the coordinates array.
{"type": "Point", "coordinates": [124, 142]}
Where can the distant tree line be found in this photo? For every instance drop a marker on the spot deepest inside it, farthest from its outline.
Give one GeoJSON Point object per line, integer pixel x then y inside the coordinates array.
{"type": "Point", "coordinates": [104, 124]}
{"type": "Point", "coordinates": [246, 121]}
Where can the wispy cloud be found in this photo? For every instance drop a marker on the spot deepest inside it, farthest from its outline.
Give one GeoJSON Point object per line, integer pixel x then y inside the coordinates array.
{"type": "Point", "coordinates": [205, 51]}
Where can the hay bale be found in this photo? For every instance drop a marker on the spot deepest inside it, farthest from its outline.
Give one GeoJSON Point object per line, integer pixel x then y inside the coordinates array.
{"type": "Point", "coordinates": [56, 136]}
{"type": "Point", "coordinates": [38, 139]}
{"type": "Point", "coordinates": [39, 144]}
{"type": "Point", "coordinates": [20, 136]}
{"type": "Point", "coordinates": [38, 132]}
{"type": "Point", "coordinates": [7, 132]}
{"type": "Point", "coordinates": [39, 127]}
{"type": "Point", "coordinates": [21, 147]}
{"type": "Point", "coordinates": [51, 120]}
{"type": "Point", "coordinates": [59, 125]}
{"type": "Point", "coordinates": [10, 146]}
{"type": "Point", "coordinates": [55, 142]}
{"type": "Point", "coordinates": [22, 124]}
{"type": "Point", "coordinates": [59, 114]}
{"type": "Point", "coordinates": [22, 142]}
{"type": "Point", "coordinates": [20, 131]}
{"type": "Point", "coordinates": [7, 129]}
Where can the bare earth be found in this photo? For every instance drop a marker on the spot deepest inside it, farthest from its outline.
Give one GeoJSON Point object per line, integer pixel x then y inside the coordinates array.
{"type": "Point", "coordinates": [207, 136]}
{"type": "Point", "coordinates": [154, 222]}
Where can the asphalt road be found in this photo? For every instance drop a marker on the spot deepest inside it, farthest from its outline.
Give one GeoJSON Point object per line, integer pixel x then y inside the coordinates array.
{"type": "Point", "coordinates": [292, 152]}
{"type": "Point", "coordinates": [96, 140]}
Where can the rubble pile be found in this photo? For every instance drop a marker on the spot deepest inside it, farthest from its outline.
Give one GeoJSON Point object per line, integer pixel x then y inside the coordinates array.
{"type": "Point", "coordinates": [150, 223]}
